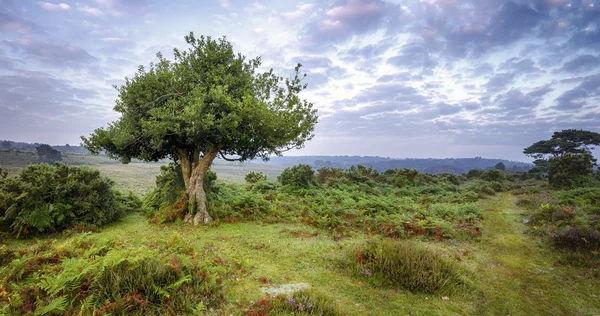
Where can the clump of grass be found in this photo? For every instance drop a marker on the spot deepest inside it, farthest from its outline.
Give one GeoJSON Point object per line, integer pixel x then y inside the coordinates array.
{"type": "Point", "coordinates": [306, 302]}
{"type": "Point", "coordinates": [405, 264]}
{"type": "Point", "coordinates": [151, 287]}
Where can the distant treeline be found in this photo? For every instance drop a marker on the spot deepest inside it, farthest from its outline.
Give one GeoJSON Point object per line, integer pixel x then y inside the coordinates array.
{"type": "Point", "coordinates": [9, 144]}
{"type": "Point", "coordinates": [427, 165]}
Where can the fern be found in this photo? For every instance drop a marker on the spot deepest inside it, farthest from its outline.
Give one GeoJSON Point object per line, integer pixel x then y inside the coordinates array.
{"type": "Point", "coordinates": [179, 283]}
{"type": "Point", "coordinates": [58, 304]}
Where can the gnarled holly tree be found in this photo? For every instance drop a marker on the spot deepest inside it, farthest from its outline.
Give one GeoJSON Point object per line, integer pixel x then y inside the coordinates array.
{"type": "Point", "coordinates": [209, 102]}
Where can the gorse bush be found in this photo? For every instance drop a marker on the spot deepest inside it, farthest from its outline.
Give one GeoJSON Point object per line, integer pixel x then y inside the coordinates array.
{"type": "Point", "coordinates": [404, 264]}
{"type": "Point", "coordinates": [253, 177]}
{"type": "Point", "coordinates": [44, 198]}
{"type": "Point", "coordinates": [299, 175]}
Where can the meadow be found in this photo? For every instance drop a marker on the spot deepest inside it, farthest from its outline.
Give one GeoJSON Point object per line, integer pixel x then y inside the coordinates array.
{"type": "Point", "coordinates": [359, 242]}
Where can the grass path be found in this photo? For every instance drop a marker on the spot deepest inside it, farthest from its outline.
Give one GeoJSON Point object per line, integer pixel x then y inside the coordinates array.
{"type": "Point", "coordinates": [517, 273]}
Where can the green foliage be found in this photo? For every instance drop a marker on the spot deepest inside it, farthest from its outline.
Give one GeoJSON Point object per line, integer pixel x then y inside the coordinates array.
{"type": "Point", "coordinates": [397, 203]}
{"type": "Point", "coordinates": [298, 175]}
{"type": "Point", "coordinates": [474, 173]}
{"type": "Point", "coordinates": [500, 166]}
{"type": "Point", "coordinates": [253, 177]}
{"type": "Point", "coordinates": [569, 141]}
{"type": "Point", "coordinates": [89, 276]}
{"type": "Point", "coordinates": [47, 198]}
{"type": "Point", "coordinates": [207, 97]}
{"type": "Point", "coordinates": [208, 102]}
{"type": "Point", "coordinates": [571, 170]}
{"type": "Point", "coordinates": [571, 162]}
{"type": "Point", "coordinates": [569, 218]}
{"type": "Point", "coordinates": [404, 264]}
{"type": "Point", "coordinates": [493, 175]}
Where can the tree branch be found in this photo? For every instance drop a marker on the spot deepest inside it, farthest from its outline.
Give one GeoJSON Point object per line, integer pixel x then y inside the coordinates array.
{"type": "Point", "coordinates": [228, 159]}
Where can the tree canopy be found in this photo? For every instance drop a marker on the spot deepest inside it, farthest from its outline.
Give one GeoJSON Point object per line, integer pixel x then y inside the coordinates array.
{"type": "Point", "coordinates": [567, 157]}
{"type": "Point", "coordinates": [569, 141]}
{"type": "Point", "coordinates": [208, 102]}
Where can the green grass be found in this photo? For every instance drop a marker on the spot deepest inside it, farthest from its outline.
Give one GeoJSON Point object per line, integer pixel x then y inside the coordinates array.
{"type": "Point", "coordinates": [513, 274]}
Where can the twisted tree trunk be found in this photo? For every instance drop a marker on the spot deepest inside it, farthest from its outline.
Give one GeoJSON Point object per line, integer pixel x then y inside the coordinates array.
{"type": "Point", "coordinates": [194, 170]}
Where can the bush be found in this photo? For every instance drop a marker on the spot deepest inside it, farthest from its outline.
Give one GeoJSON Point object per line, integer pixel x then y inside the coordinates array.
{"type": "Point", "coordinates": [575, 238]}
{"type": "Point", "coordinates": [300, 175]}
{"type": "Point", "coordinates": [571, 170]}
{"type": "Point", "coordinates": [404, 264]}
{"type": "Point", "coordinates": [493, 175]}
{"type": "Point", "coordinates": [253, 177]}
{"type": "Point", "coordinates": [44, 198]}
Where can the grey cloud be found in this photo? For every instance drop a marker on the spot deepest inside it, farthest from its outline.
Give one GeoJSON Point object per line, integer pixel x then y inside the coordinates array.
{"type": "Point", "coordinates": [413, 56]}
{"type": "Point", "coordinates": [335, 72]}
{"type": "Point", "coordinates": [514, 104]}
{"type": "Point", "coordinates": [401, 77]}
{"type": "Point", "coordinates": [342, 20]}
{"type": "Point", "coordinates": [52, 54]}
{"type": "Point", "coordinates": [482, 70]}
{"type": "Point", "coordinates": [500, 81]}
{"type": "Point", "coordinates": [312, 61]}
{"type": "Point", "coordinates": [35, 102]}
{"type": "Point", "coordinates": [540, 91]}
{"type": "Point", "coordinates": [521, 66]}
{"type": "Point", "coordinates": [582, 63]}
{"type": "Point", "coordinates": [577, 97]}
{"type": "Point", "coordinates": [388, 91]}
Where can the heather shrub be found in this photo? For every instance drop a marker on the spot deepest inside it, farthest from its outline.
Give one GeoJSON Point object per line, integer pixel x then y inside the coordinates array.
{"type": "Point", "coordinates": [404, 264]}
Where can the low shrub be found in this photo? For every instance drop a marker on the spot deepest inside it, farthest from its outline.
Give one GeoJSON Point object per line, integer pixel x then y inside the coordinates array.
{"type": "Point", "coordinates": [298, 175]}
{"type": "Point", "coordinates": [253, 177]}
{"type": "Point", "coordinates": [306, 302]}
{"type": "Point", "coordinates": [44, 198]}
{"type": "Point", "coordinates": [578, 239]}
{"type": "Point", "coordinates": [405, 264]}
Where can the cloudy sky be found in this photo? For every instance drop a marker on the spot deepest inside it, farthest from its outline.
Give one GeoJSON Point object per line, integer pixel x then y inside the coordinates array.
{"type": "Point", "coordinates": [403, 78]}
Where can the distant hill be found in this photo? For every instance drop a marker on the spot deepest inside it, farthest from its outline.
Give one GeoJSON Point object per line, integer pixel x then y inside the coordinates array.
{"type": "Point", "coordinates": [32, 146]}
{"type": "Point", "coordinates": [429, 165]}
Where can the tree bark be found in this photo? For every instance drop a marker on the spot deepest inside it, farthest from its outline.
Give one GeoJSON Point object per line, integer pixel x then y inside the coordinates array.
{"type": "Point", "coordinates": [194, 170]}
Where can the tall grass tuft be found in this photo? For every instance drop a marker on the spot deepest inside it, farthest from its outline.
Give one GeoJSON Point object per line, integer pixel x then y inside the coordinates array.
{"type": "Point", "coordinates": [405, 264]}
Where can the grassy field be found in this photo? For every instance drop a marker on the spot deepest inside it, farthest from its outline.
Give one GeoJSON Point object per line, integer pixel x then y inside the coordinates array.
{"type": "Point", "coordinates": [138, 177]}
{"type": "Point", "coordinates": [464, 237]}
{"type": "Point", "coordinates": [512, 274]}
